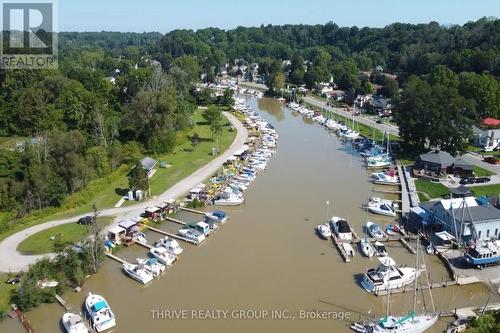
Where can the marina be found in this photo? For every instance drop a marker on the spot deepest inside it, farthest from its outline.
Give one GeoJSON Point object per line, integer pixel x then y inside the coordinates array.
{"type": "Point", "coordinates": [264, 242]}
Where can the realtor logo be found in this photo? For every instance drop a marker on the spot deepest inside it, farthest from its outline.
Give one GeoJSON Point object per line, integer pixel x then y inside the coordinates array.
{"type": "Point", "coordinates": [29, 39]}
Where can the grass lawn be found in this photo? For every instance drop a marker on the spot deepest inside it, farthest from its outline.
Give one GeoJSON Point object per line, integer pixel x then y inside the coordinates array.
{"type": "Point", "coordinates": [5, 290]}
{"type": "Point", "coordinates": [489, 190]}
{"type": "Point", "coordinates": [480, 172]}
{"type": "Point", "coordinates": [433, 190]}
{"type": "Point", "coordinates": [41, 243]}
{"type": "Point", "coordinates": [106, 192]}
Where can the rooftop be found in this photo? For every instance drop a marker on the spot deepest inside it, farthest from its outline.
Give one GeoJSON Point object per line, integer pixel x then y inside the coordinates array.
{"type": "Point", "coordinates": [148, 163]}
{"type": "Point", "coordinates": [442, 158]}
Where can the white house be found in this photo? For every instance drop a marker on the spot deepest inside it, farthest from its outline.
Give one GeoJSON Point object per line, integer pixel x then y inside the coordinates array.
{"type": "Point", "coordinates": [486, 137]}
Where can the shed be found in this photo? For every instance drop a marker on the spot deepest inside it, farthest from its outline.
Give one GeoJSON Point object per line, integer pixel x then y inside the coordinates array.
{"type": "Point", "coordinates": [128, 225]}
{"type": "Point", "coordinates": [152, 212]}
{"type": "Point", "coordinates": [115, 234]}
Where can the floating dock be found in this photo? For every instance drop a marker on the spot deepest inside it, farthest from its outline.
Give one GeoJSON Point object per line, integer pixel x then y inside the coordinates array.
{"type": "Point", "coordinates": [409, 288]}
{"type": "Point", "coordinates": [172, 235]}
{"type": "Point", "coordinates": [340, 248]}
{"type": "Point", "coordinates": [192, 210]}
{"type": "Point", "coordinates": [120, 260]}
{"type": "Point", "coordinates": [168, 218]}
{"type": "Point", "coordinates": [63, 303]}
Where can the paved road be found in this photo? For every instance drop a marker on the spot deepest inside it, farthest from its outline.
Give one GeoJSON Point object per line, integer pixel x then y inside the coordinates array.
{"type": "Point", "coordinates": [477, 160]}
{"type": "Point", "coordinates": [391, 129]}
{"type": "Point", "coordinates": [12, 260]}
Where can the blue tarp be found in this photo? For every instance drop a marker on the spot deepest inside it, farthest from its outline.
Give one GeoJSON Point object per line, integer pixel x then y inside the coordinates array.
{"type": "Point", "coordinates": [99, 306]}
{"type": "Point", "coordinates": [219, 214]}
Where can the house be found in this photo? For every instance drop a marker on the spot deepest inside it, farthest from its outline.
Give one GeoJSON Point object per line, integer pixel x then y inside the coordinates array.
{"type": "Point", "coordinates": [149, 165]}
{"type": "Point", "coordinates": [436, 161]}
{"type": "Point", "coordinates": [486, 137]}
{"type": "Point", "coordinates": [461, 192]}
{"type": "Point", "coordinates": [462, 168]}
{"type": "Point", "coordinates": [338, 95]}
{"type": "Point", "coordinates": [465, 218]}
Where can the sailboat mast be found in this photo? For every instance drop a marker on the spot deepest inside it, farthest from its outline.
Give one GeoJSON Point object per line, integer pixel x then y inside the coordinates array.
{"type": "Point", "coordinates": [416, 275]}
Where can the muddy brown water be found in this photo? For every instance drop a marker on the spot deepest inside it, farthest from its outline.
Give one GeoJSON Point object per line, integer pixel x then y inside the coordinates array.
{"type": "Point", "coordinates": [267, 257]}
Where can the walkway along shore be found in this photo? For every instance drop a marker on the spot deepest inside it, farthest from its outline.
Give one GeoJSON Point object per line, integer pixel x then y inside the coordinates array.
{"type": "Point", "coordinates": [12, 261]}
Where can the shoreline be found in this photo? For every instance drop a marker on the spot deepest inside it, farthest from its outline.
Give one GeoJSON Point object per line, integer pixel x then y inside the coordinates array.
{"type": "Point", "coordinates": [11, 260]}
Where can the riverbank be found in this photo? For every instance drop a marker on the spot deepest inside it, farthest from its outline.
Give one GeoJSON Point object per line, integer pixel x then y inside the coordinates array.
{"type": "Point", "coordinates": [12, 260]}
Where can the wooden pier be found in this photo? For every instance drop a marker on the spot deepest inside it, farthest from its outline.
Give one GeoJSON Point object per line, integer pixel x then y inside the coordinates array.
{"type": "Point", "coordinates": [192, 210]}
{"type": "Point", "coordinates": [168, 218]}
{"type": "Point", "coordinates": [120, 260]}
{"type": "Point", "coordinates": [407, 245]}
{"type": "Point", "coordinates": [147, 246]}
{"type": "Point", "coordinates": [340, 248]}
{"type": "Point", "coordinates": [172, 235]}
{"type": "Point", "coordinates": [386, 191]}
{"type": "Point", "coordinates": [63, 303]}
{"type": "Point", "coordinates": [409, 288]}
{"type": "Point", "coordinates": [23, 320]}
{"type": "Point", "coordinates": [470, 311]}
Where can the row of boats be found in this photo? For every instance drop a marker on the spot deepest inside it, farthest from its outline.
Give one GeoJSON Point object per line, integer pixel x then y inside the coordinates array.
{"type": "Point", "coordinates": [99, 313]}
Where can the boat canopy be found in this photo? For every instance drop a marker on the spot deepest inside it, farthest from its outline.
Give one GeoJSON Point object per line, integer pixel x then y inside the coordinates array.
{"type": "Point", "coordinates": [444, 236]}
{"type": "Point", "coordinates": [343, 226]}
{"type": "Point", "coordinates": [99, 306]}
{"type": "Point", "coordinates": [219, 214]}
{"type": "Point", "coordinates": [387, 261]}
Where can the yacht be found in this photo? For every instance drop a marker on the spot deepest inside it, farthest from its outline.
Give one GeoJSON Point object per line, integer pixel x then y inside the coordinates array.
{"type": "Point", "coordinates": [73, 323]}
{"type": "Point", "coordinates": [381, 208]}
{"type": "Point", "coordinates": [481, 255]}
{"type": "Point", "coordinates": [384, 178]}
{"type": "Point", "coordinates": [367, 248]}
{"type": "Point", "coordinates": [163, 255]}
{"type": "Point", "coordinates": [227, 198]}
{"type": "Point", "coordinates": [380, 249]}
{"type": "Point", "coordinates": [386, 276]}
{"type": "Point", "coordinates": [341, 228]}
{"type": "Point", "coordinates": [152, 265]}
{"type": "Point", "coordinates": [374, 230]}
{"type": "Point", "coordinates": [170, 244]}
{"type": "Point", "coordinates": [191, 234]}
{"type": "Point", "coordinates": [138, 273]}
{"type": "Point", "coordinates": [216, 216]}
{"type": "Point", "coordinates": [324, 230]}
{"type": "Point", "coordinates": [100, 313]}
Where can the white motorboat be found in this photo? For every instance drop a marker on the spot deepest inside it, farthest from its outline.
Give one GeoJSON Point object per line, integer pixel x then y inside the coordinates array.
{"type": "Point", "coordinates": [170, 244]}
{"type": "Point", "coordinates": [378, 162]}
{"type": "Point", "coordinates": [380, 249]}
{"type": "Point", "coordinates": [141, 238]}
{"type": "Point", "coordinates": [73, 323]}
{"type": "Point", "coordinates": [216, 216]}
{"type": "Point", "coordinates": [341, 228]}
{"type": "Point", "coordinates": [191, 234]}
{"type": "Point", "coordinates": [43, 284]}
{"type": "Point", "coordinates": [374, 230]}
{"type": "Point", "coordinates": [163, 255]}
{"type": "Point", "coordinates": [152, 265]}
{"type": "Point", "coordinates": [366, 248]}
{"type": "Point", "coordinates": [384, 178]}
{"type": "Point", "coordinates": [100, 313]}
{"type": "Point", "coordinates": [229, 199]}
{"type": "Point", "coordinates": [387, 276]}
{"type": "Point", "coordinates": [381, 208]}
{"type": "Point", "coordinates": [138, 272]}
{"type": "Point", "coordinates": [324, 230]}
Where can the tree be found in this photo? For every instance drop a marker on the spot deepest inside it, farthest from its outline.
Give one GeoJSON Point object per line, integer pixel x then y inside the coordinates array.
{"type": "Point", "coordinates": [485, 90]}
{"type": "Point", "coordinates": [390, 87]}
{"type": "Point", "coordinates": [138, 178]}
{"type": "Point", "coordinates": [213, 116]}
{"type": "Point", "coordinates": [277, 83]}
{"type": "Point", "coordinates": [93, 249]}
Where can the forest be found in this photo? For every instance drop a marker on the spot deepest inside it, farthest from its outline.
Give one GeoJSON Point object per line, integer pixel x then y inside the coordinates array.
{"type": "Point", "coordinates": [117, 96]}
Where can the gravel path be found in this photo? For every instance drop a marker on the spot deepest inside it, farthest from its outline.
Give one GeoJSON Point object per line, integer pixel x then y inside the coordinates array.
{"type": "Point", "coordinates": [12, 260]}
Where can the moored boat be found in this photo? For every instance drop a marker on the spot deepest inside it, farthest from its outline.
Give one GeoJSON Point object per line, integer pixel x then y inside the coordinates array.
{"type": "Point", "coordinates": [387, 276]}
{"type": "Point", "coordinates": [138, 272]}
{"type": "Point", "coordinates": [341, 228]}
{"type": "Point", "coordinates": [374, 230]}
{"type": "Point", "coordinates": [100, 313]}
{"type": "Point", "coordinates": [324, 230]}
{"type": "Point", "coordinates": [366, 248]}
{"type": "Point", "coordinates": [73, 323]}
{"type": "Point", "coordinates": [163, 255]}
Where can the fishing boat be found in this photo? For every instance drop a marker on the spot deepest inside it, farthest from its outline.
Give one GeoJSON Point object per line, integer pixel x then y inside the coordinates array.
{"type": "Point", "coordinates": [216, 216]}
{"type": "Point", "coordinates": [374, 230]}
{"type": "Point", "coordinates": [324, 230]}
{"type": "Point", "coordinates": [380, 249]}
{"type": "Point", "coordinates": [138, 272]}
{"type": "Point", "coordinates": [101, 316]}
{"type": "Point", "coordinates": [366, 248]}
{"type": "Point", "coordinates": [73, 323]}
{"type": "Point", "coordinates": [483, 254]}
{"type": "Point", "coordinates": [170, 244]}
{"type": "Point", "coordinates": [163, 255]}
{"type": "Point", "coordinates": [387, 276]}
{"type": "Point", "coordinates": [341, 228]}
{"type": "Point", "coordinates": [152, 265]}
{"type": "Point", "coordinates": [381, 208]}
{"type": "Point", "coordinates": [410, 323]}
{"type": "Point", "coordinates": [191, 234]}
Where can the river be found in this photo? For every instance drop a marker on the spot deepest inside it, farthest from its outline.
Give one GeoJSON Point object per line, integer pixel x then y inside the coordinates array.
{"type": "Point", "coordinates": [267, 257]}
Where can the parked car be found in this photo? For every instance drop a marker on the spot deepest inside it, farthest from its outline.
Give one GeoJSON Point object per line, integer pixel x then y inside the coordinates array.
{"type": "Point", "coordinates": [86, 220]}
{"type": "Point", "coordinates": [467, 180]}
{"type": "Point", "coordinates": [379, 121]}
{"type": "Point", "coordinates": [14, 280]}
{"type": "Point", "coordinates": [491, 160]}
{"type": "Point", "coordinates": [481, 180]}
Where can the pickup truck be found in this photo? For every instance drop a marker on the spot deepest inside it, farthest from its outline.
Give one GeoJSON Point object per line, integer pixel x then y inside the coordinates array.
{"type": "Point", "coordinates": [491, 160]}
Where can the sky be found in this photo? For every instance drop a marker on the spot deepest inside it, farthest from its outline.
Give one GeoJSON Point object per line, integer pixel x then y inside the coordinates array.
{"type": "Point", "coordinates": [167, 15]}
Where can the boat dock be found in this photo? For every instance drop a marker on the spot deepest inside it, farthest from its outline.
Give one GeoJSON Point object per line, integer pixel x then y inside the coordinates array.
{"type": "Point", "coordinates": [147, 246]}
{"type": "Point", "coordinates": [63, 303]}
{"type": "Point", "coordinates": [23, 320]}
{"type": "Point", "coordinates": [168, 218]}
{"type": "Point", "coordinates": [409, 196]}
{"type": "Point", "coordinates": [120, 260]}
{"type": "Point", "coordinates": [192, 210]}
{"type": "Point", "coordinates": [409, 288]}
{"type": "Point", "coordinates": [172, 235]}
{"type": "Point", "coordinates": [470, 311]}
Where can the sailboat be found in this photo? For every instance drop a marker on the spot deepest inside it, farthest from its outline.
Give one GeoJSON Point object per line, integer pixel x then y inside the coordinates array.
{"type": "Point", "coordinates": [410, 323]}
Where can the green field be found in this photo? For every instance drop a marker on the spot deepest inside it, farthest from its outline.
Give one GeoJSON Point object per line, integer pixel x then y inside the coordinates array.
{"type": "Point", "coordinates": [5, 290]}
{"type": "Point", "coordinates": [105, 192]}
{"type": "Point", "coordinates": [489, 190]}
{"type": "Point", "coordinates": [44, 241]}
{"type": "Point", "coordinates": [433, 190]}
{"type": "Point", "coordinates": [480, 172]}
